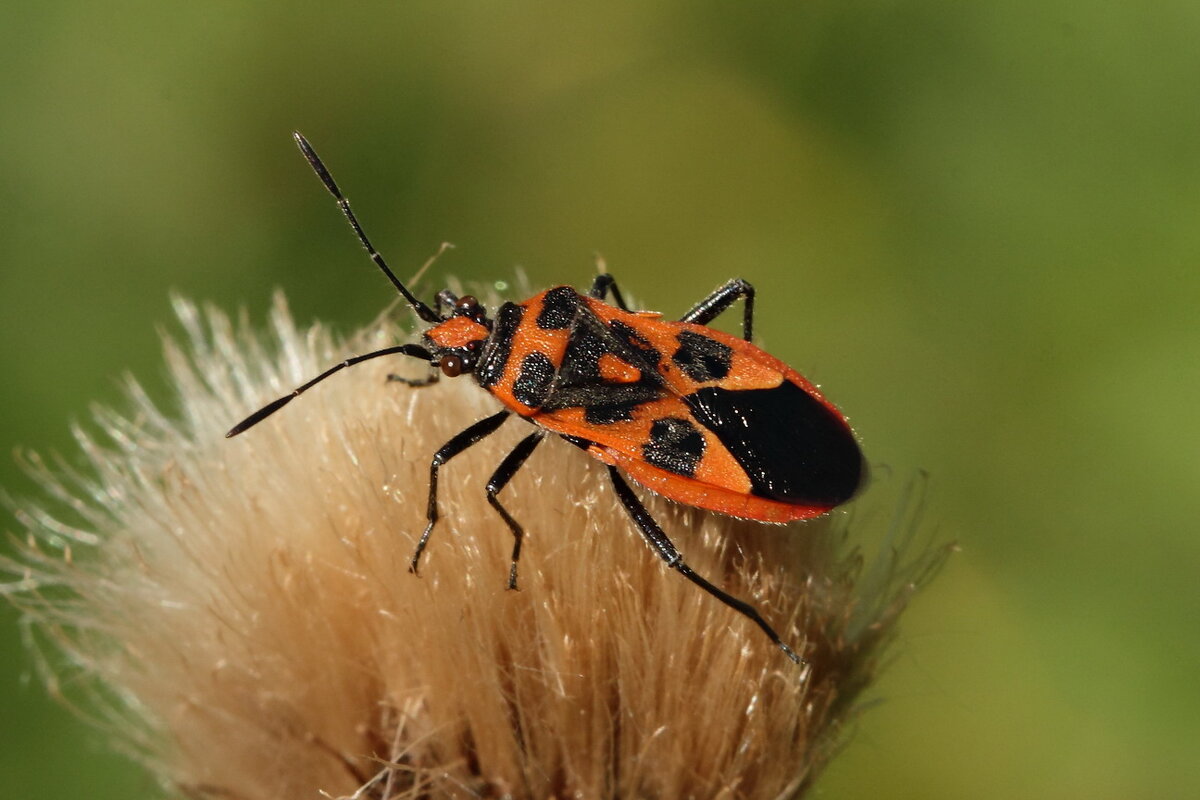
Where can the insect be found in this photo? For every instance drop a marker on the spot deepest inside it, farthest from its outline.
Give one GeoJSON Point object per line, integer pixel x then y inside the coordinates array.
{"type": "Point", "coordinates": [689, 412]}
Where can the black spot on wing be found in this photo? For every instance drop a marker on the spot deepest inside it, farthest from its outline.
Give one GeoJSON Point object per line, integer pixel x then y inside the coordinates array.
{"type": "Point", "coordinates": [558, 308]}
{"type": "Point", "coordinates": [603, 399]}
{"type": "Point", "coordinates": [640, 344]}
{"type": "Point", "coordinates": [792, 447]}
{"type": "Point", "coordinates": [702, 358]}
{"type": "Point", "coordinates": [533, 381]}
{"type": "Point", "coordinates": [675, 445]}
{"type": "Point", "coordinates": [494, 358]}
{"type": "Point", "coordinates": [608, 414]}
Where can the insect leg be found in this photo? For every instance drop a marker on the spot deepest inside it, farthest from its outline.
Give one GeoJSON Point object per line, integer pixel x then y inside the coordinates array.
{"type": "Point", "coordinates": [662, 545]}
{"type": "Point", "coordinates": [270, 408]}
{"type": "Point", "coordinates": [429, 379]}
{"type": "Point", "coordinates": [602, 285]}
{"type": "Point", "coordinates": [444, 301]}
{"type": "Point", "coordinates": [710, 307]}
{"type": "Point", "coordinates": [461, 441]}
{"type": "Point", "coordinates": [500, 478]}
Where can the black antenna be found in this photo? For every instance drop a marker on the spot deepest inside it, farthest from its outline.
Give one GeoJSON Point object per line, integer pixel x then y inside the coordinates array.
{"type": "Point", "coordinates": [423, 311]}
{"type": "Point", "coordinates": [414, 350]}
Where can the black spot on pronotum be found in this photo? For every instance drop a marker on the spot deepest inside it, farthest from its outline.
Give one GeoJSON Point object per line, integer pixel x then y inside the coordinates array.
{"type": "Point", "coordinates": [792, 446]}
{"type": "Point", "coordinates": [702, 358]}
{"type": "Point", "coordinates": [533, 381]}
{"type": "Point", "coordinates": [494, 359]}
{"type": "Point", "coordinates": [675, 445]}
{"type": "Point", "coordinates": [558, 308]}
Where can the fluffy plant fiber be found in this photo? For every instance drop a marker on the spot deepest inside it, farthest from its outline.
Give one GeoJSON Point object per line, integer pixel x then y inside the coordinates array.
{"type": "Point", "coordinates": [242, 614]}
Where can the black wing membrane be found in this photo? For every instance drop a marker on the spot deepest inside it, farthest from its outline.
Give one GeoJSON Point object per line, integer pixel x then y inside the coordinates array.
{"type": "Point", "coordinates": [791, 445]}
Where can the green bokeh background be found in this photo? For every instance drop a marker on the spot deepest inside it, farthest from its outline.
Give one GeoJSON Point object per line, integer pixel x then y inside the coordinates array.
{"type": "Point", "coordinates": [974, 223]}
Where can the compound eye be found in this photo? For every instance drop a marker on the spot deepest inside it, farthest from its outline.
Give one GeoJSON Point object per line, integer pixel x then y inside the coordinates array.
{"type": "Point", "coordinates": [451, 365]}
{"type": "Point", "coordinates": [466, 304]}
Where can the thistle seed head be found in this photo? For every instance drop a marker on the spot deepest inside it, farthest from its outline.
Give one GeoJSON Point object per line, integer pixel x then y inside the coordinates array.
{"type": "Point", "coordinates": [241, 613]}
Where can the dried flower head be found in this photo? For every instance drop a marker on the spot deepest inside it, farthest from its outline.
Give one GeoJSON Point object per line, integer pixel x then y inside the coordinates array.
{"type": "Point", "coordinates": [243, 613]}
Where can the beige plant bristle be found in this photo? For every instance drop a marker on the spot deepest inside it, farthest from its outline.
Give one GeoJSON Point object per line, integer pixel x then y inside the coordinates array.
{"type": "Point", "coordinates": [244, 615]}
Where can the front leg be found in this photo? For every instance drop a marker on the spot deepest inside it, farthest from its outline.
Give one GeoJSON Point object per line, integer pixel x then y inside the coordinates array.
{"type": "Point", "coordinates": [711, 307]}
{"type": "Point", "coordinates": [449, 450]}
{"type": "Point", "coordinates": [430, 379]}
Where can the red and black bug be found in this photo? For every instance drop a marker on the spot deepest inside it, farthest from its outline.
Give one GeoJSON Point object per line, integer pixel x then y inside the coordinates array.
{"type": "Point", "coordinates": [694, 414]}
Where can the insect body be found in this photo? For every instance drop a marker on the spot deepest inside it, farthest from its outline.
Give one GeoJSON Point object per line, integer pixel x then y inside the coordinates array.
{"type": "Point", "coordinates": [694, 414]}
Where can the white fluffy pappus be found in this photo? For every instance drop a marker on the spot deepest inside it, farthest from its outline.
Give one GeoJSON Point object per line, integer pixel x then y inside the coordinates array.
{"type": "Point", "coordinates": [241, 614]}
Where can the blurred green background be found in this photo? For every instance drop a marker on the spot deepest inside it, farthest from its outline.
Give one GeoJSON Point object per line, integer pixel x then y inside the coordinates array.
{"type": "Point", "coordinates": [974, 223]}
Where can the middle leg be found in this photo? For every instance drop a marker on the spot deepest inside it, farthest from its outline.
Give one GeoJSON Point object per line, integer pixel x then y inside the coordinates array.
{"type": "Point", "coordinates": [711, 307]}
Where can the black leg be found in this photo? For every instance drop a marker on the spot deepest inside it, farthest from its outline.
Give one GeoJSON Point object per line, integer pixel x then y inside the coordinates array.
{"type": "Point", "coordinates": [270, 408]}
{"type": "Point", "coordinates": [710, 307]}
{"type": "Point", "coordinates": [433, 377]}
{"type": "Point", "coordinates": [662, 545]}
{"type": "Point", "coordinates": [449, 450]}
{"type": "Point", "coordinates": [500, 478]}
{"type": "Point", "coordinates": [444, 301]}
{"type": "Point", "coordinates": [602, 285]}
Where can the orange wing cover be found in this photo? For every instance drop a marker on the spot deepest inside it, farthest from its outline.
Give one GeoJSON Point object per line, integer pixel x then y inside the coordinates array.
{"type": "Point", "coordinates": [691, 413]}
